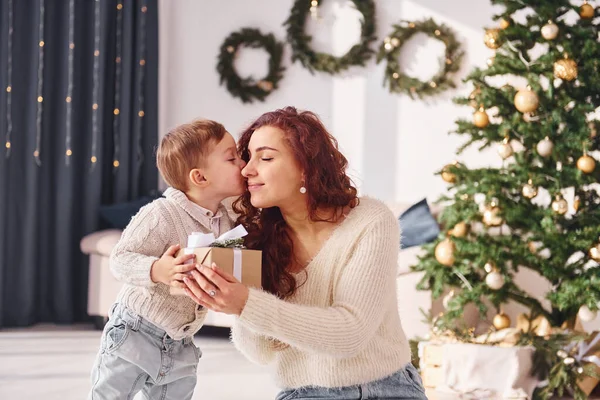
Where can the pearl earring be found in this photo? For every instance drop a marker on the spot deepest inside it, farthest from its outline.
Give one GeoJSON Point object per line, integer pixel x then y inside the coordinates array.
{"type": "Point", "coordinates": [303, 190]}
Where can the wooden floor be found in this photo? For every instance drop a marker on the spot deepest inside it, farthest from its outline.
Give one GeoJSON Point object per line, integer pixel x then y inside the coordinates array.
{"type": "Point", "coordinates": [53, 363]}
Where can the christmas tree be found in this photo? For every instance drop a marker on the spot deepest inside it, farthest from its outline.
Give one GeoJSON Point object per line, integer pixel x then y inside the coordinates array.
{"type": "Point", "coordinates": [541, 209]}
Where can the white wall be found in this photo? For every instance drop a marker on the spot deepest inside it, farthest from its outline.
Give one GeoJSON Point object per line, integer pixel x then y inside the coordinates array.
{"type": "Point", "coordinates": [394, 144]}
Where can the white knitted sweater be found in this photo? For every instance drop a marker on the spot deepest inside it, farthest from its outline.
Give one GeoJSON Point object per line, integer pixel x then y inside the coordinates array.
{"type": "Point", "coordinates": [160, 224]}
{"type": "Point", "coordinates": [342, 326]}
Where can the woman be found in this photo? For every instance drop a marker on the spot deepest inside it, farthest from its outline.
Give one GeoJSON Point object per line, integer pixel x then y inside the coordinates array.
{"type": "Point", "coordinates": [327, 317]}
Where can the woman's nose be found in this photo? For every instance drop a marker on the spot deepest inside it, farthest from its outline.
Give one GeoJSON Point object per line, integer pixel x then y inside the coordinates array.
{"type": "Point", "coordinates": [247, 170]}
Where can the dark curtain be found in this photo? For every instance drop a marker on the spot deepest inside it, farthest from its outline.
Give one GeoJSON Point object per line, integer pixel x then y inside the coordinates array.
{"type": "Point", "coordinates": [78, 129]}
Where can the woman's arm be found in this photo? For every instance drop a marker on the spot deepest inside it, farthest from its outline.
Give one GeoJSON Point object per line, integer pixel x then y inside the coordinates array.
{"type": "Point", "coordinates": [257, 348]}
{"type": "Point", "coordinates": [358, 306]}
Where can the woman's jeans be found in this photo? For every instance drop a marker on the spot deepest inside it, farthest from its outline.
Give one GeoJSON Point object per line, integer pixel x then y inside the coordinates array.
{"type": "Point", "coordinates": [404, 384]}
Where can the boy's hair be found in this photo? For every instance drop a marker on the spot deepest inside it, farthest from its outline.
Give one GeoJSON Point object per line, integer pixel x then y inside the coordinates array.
{"type": "Point", "coordinates": [185, 148]}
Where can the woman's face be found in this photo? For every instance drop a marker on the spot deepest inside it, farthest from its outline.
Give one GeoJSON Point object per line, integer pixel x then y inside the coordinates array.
{"type": "Point", "coordinates": [274, 176]}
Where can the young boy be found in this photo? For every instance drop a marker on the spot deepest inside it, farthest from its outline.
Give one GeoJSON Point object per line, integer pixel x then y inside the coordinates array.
{"type": "Point", "coordinates": [147, 343]}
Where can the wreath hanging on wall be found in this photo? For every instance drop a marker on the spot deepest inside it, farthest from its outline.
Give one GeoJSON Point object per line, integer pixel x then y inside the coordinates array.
{"type": "Point", "coordinates": [390, 49]}
{"type": "Point", "coordinates": [248, 89]}
{"type": "Point", "coordinates": [359, 54]}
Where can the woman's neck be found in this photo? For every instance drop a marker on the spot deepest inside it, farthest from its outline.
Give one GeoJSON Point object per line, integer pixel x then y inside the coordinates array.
{"type": "Point", "coordinates": [299, 222]}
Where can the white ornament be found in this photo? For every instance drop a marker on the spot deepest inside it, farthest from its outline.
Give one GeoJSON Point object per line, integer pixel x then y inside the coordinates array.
{"type": "Point", "coordinates": [545, 147]}
{"type": "Point", "coordinates": [550, 31]}
{"type": "Point", "coordinates": [585, 314]}
{"type": "Point", "coordinates": [494, 280]}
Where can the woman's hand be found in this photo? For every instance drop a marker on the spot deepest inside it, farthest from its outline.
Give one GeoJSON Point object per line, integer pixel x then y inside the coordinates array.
{"type": "Point", "coordinates": [217, 290]}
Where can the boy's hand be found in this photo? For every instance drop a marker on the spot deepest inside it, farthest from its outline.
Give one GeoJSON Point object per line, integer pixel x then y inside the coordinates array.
{"type": "Point", "coordinates": [169, 269]}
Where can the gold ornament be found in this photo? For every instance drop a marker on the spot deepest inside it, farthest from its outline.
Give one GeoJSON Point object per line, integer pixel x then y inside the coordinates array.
{"type": "Point", "coordinates": [494, 280]}
{"type": "Point", "coordinates": [267, 86]}
{"type": "Point", "coordinates": [550, 31]}
{"type": "Point", "coordinates": [491, 38]}
{"type": "Point", "coordinates": [586, 164]}
{"type": "Point", "coordinates": [560, 205]}
{"type": "Point", "coordinates": [480, 118]}
{"type": "Point", "coordinates": [489, 267]}
{"type": "Point", "coordinates": [526, 100]}
{"type": "Point", "coordinates": [545, 147]}
{"type": "Point", "coordinates": [490, 60]}
{"type": "Point", "coordinates": [504, 23]}
{"type": "Point", "coordinates": [444, 252]}
{"type": "Point", "coordinates": [565, 69]}
{"type": "Point", "coordinates": [460, 230]}
{"type": "Point", "coordinates": [501, 321]}
{"type": "Point", "coordinates": [529, 191]}
{"type": "Point", "coordinates": [473, 97]}
{"type": "Point", "coordinates": [586, 11]}
{"type": "Point", "coordinates": [505, 150]}
{"type": "Point", "coordinates": [595, 252]}
{"type": "Point", "coordinates": [576, 203]}
{"type": "Point", "coordinates": [447, 175]}
{"type": "Point", "coordinates": [490, 215]}
{"type": "Point", "coordinates": [540, 325]}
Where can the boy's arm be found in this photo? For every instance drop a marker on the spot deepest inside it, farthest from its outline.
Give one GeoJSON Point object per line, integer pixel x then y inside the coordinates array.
{"type": "Point", "coordinates": [141, 244]}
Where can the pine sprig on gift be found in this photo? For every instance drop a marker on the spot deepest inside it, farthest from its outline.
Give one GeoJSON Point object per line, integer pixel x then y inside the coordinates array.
{"type": "Point", "coordinates": [230, 243]}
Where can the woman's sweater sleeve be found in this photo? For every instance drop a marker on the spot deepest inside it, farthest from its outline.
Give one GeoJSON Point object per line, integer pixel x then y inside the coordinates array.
{"type": "Point", "coordinates": [345, 327]}
{"type": "Point", "coordinates": [257, 348]}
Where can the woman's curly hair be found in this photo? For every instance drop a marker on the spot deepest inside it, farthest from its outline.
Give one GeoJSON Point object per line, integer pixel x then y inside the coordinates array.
{"type": "Point", "coordinates": [328, 187]}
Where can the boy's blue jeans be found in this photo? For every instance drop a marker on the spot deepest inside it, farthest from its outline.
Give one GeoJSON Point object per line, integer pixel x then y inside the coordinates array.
{"type": "Point", "coordinates": [136, 355]}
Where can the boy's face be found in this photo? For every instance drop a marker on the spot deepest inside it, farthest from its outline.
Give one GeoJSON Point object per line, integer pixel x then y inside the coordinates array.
{"type": "Point", "coordinates": [223, 169]}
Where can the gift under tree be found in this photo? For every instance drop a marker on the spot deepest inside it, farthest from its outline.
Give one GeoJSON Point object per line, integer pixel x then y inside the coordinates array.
{"type": "Point", "coordinates": [540, 210]}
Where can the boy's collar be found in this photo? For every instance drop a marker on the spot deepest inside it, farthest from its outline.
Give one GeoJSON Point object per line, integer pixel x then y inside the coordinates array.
{"type": "Point", "coordinates": [197, 212]}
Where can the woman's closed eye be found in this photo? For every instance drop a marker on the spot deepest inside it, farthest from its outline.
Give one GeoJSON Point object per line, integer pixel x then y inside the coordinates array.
{"type": "Point", "coordinates": [267, 158]}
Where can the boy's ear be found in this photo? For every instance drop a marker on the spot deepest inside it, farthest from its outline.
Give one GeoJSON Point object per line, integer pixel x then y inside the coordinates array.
{"type": "Point", "coordinates": [197, 178]}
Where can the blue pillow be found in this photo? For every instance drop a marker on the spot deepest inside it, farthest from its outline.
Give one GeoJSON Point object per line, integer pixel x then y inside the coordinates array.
{"type": "Point", "coordinates": [118, 215]}
{"type": "Point", "coordinates": [418, 225]}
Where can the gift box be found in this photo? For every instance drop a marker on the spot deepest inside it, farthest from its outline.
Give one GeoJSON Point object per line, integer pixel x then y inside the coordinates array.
{"type": "Point", "coordinates": [431, 356]}
{"type": "Point", "coordinates": [466, 368]}
{"type": "Point", "coordinates": [228, 253]}
{"type": "Point", "coordinates": [588, 353]}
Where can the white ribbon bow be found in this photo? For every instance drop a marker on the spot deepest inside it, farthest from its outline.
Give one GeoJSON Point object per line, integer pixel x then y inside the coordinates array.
{"type": "Point", "coordinates": [199, 239]}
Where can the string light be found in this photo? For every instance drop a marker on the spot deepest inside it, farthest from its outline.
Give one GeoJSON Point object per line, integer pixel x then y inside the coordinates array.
{"type": "Point", "coordinates": [8, 144]}
{"type": "Point", "coordinates": [118, 74]}
{"type": "Point", "coordinates": [68, 99]}
{"type": "Point", "coordinates": [96, 83]}
{"type": "Point", "coordinates": [141, 86]}
{"type": "Point", "coordinates": [40, 87]}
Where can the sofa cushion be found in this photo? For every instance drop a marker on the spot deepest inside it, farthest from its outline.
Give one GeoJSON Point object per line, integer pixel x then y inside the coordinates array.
{"type": "Point", "coordinates": [118, 215]}
{"type": "Point", "coordinates": [101, 242]}
{"type": "Point", "coordinates": [418, 225]}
